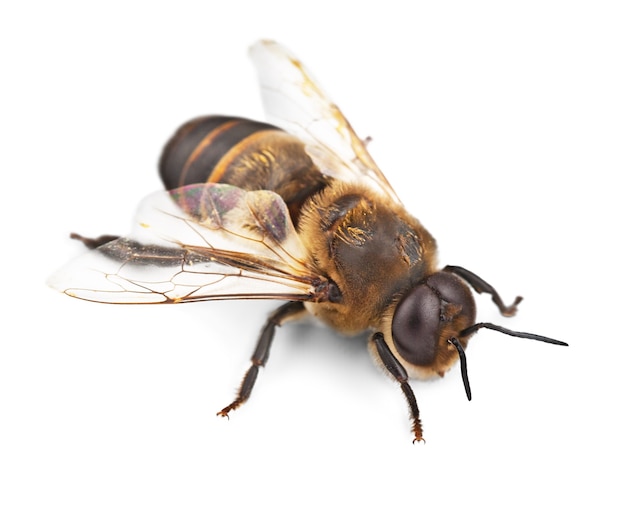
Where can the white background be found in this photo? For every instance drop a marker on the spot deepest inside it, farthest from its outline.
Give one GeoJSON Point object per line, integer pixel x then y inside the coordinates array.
{"type": "Point", "coordinates": [502, 128]}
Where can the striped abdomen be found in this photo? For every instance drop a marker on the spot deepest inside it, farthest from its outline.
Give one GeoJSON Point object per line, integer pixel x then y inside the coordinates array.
{"type": "Point", "coordinates": [248, 154]}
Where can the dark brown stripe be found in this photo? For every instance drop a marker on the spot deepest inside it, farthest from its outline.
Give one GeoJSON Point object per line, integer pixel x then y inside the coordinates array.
{"type": "Point", "coordinates": [200, 168]}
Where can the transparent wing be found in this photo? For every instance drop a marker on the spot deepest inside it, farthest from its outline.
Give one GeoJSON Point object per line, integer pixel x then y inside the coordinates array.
{"type": "Point", "coordinates": [294, 101]}
{"type": "Point", "coordinates": [200, 242]}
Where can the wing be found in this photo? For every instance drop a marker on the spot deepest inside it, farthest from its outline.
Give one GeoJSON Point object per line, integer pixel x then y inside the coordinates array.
{"type": "Point", "coordinates": [294, 101]}
{"type": "Point", "coordinates": [200, 242]}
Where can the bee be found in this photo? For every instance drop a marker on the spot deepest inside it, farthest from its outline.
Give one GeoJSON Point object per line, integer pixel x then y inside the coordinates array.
{"type": "Point", "coordinates": [298, 211]}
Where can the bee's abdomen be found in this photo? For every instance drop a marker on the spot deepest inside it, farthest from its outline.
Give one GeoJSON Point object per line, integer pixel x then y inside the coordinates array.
{"type": "Point", "coordinates": [248, 154]}
{"type": "Point", "coordinates": [194, 151]}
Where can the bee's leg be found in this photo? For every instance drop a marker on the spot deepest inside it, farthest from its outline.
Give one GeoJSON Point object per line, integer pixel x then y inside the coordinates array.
{"type": "Point", "coordinates": [262, 351]}
{"type": "Point", "coordinates": [93, 243]}
{"type": "Point", "coordinates": [480, 286]}
{"type": "Point", "coordinates": [399, 373]}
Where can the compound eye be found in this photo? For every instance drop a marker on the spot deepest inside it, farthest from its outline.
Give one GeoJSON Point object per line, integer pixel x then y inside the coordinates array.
{"type": "Point", "coordinates": [440, 305]}
{"type": "Point", "coordinates": [415, 326]}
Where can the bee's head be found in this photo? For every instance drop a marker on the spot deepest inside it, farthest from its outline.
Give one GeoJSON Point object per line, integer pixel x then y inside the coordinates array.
{"type": "Point", "coordinates": [428, 323]}
{"type": "Point", "coordinates": [433, 321]}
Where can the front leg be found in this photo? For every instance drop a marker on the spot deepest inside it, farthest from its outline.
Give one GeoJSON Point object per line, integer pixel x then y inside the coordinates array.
{"type": "Point", "coordinates": [399, 373]}
{"type": "Point", "coordinates": [262, 351]}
